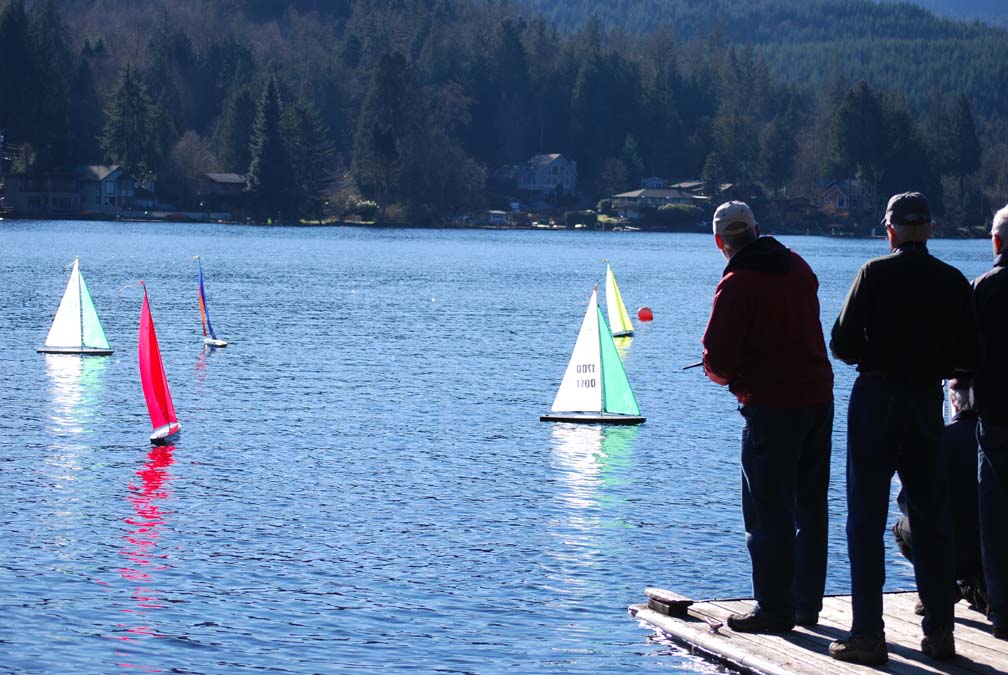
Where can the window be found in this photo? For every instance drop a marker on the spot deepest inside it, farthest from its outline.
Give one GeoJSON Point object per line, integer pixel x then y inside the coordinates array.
{"type": "Point", "coordinates": [110, 187]}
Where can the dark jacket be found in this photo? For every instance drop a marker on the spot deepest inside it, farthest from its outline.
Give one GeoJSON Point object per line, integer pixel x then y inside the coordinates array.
{"type": "Point", "coordinates": [764, 339]}
{"type": "Point", "coordinates": [907, 316]}
{"type": "Point", "coordinates": [990, 297]}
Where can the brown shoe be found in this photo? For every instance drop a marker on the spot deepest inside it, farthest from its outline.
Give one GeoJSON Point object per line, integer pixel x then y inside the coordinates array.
{"type": "Point", "coordinates": [939, 644]}
{"type": "Point", "coordinates": [868, 651]}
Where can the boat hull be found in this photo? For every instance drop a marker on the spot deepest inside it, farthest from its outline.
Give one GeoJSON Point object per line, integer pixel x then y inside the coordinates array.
{"type": "Point", "coordinates": [83, 351]}
{"type": "Point", "coordinates": [592, 418]}
{"type": "Point", "coordinates": [214, 342]}
{"type": "Point", "coordinates": [627, 333]}
{"type": "Point", "coordinates": [164, 433]}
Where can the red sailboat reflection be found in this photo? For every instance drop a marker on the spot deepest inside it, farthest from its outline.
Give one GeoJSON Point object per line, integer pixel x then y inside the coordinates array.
{"type": "Point", "coordinates": [146, 522]}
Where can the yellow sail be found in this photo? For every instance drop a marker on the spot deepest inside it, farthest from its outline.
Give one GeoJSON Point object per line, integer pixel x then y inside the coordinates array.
{"type": "Point", "coordinates": [619, 319]}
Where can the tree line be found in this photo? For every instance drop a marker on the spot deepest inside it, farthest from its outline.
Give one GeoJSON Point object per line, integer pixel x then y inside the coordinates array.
{"type": "Point", "coordinates": [412, 104]}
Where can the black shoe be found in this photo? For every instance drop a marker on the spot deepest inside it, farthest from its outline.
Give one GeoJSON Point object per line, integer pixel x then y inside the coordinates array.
{"type": "Point", "coordinates": [919, 608]}
{"type": "Point", "coordinates": [758, 622]}
{"type": "Point", "coordinates": [939, 644]}
{"type": "Point", "coordinates": [868, 651]}
{"type": "Point", "coordinates": [806, 618]}
{"type": "Point", "coordinates": [1000, 632]}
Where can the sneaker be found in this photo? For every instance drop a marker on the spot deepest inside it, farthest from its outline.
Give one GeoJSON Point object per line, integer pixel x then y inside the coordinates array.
{"type": "Point", "coordinates": [868, 651]}
{"type": "Point", "coordinates": [758, 622]}
{"type": "Point", "coordinates": [939, 644]}
{"type": "Point", "coordinates": [804, 617]}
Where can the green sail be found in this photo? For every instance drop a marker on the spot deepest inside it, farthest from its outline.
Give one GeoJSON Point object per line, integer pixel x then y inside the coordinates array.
{"type": "Point", "coordinates": [92, 334]}
{"type": "Point", "coordinates": [617, 397]}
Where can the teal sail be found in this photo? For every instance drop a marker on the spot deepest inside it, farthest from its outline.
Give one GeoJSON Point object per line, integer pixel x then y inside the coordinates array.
{"type": "Point", "coordinates": [92, 334]}
{"type": "Point", "coordinates": [617, 396]}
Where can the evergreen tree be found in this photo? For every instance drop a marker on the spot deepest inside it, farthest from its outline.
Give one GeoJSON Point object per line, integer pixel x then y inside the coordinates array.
{"type": "Point", "coordinates": [963, 143]}
{"type": "Point", "coordinates": [53, 68]}
{"type": "Point", "coordinates": [713, 176]}
{"type": "Point", "coordinates": [312, 155]}
{"type": "Point", "coordinates": [86, 117]}
{"type": "Point", "coordinates": [778, 150]}
{"type": "Point", "coordinates": [234, 135]}
{"type": "Point", "coordinates": [270, 173]}
{"type": "Point", "coordinates": [129, 138]}
{"type": "Point", "coordinates": [17, 74]}
{"type": "Point", "coordinates": [385, 123]}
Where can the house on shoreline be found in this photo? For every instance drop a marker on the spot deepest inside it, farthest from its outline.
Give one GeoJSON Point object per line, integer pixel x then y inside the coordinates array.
{"type": "Point", "coordinates": [97, 189]}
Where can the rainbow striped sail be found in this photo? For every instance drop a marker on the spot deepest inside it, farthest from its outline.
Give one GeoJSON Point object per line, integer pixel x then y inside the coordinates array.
{"type": "Point", "coordinates": [209, 336]}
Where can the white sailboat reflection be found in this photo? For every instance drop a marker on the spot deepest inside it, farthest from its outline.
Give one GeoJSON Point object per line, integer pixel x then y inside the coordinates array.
{"type": "Point", "coordinates": [75, 387]}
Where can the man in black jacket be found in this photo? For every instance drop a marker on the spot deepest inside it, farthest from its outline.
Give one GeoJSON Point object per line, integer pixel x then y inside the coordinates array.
{"type": "Point", "coordinates": [907, 324]}
{"type": "Point", "coordinates": [990, 294]}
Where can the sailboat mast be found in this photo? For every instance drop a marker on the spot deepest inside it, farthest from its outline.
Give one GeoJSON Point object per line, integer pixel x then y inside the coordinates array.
{"type": "Point", "coordinates": [601, 362]}
{"type": "Point", "coordinates": [80, 302]}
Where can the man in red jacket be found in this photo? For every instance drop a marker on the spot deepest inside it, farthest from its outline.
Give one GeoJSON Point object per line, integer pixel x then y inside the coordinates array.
{"type": "Point", "coordinates": [764, 340]}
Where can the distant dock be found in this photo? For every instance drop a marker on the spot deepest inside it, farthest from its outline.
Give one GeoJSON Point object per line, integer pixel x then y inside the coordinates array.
{"type": "Point", "coordinates": [804, 651]}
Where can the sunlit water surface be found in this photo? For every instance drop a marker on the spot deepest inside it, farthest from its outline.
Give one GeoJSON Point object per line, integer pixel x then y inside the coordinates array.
{"type": "Point", "coordinates": [362, 483]}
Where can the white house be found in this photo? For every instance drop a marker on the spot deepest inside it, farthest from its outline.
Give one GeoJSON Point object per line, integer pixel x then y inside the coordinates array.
{"type": "Point", "coordinates": [548, 175]}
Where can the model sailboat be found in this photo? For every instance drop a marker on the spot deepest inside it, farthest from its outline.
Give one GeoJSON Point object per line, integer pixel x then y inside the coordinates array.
{"type": "Point", "coordinates": [209, 337]}
{"type": "Point", "coordinates": [595, 389]}
{"type": "Point", "coordinates": [76, 328]}
{"type": "Point", "coordinates": [152, 377]}
{"type": "Point", "coordinates": [619, 319]}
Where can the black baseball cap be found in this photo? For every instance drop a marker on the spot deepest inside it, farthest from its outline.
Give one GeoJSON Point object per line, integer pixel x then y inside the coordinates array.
{"type": "Point", "coordinates": [909, 209]}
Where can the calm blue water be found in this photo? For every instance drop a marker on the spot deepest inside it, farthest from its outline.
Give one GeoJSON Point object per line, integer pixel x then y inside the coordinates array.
{"type": "Point", "coordinates": [362, 483]}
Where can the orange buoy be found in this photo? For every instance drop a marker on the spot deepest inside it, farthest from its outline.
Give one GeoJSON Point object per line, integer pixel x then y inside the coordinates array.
{"type": "Point", "coordinates": [644, 314]}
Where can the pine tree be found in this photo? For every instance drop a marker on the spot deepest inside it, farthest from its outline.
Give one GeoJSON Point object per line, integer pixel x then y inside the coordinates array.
{"type": "Point", "coordinates": [384, 126]}
{"type": "Point", "coordinates": [18, 80]}
{"type": "Point", "coordinates": [234, 136]}
{"type": "Point", "coordinates": [269, 178]}
{"type": "Point", "coordinates": [312, 155]}
{"type": "Point", "coordinates": [128, 138]}
{"type": "Point", "coordinates": [53, 68]}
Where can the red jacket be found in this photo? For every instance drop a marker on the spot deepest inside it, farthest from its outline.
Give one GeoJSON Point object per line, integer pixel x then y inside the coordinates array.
{"type": "Point", "coordinates": [764, 339]}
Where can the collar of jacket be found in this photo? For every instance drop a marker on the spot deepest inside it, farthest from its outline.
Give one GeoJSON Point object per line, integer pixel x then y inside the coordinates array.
{"type": "Point", "coordinates": [764, 254]}
{"type": "Point", "coordinates": [911, 247]}
{"type": "Point", "coordinates": [1001, 260]}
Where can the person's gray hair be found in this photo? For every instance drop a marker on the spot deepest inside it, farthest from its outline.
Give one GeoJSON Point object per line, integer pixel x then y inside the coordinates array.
{"type": "Point", "coordinates": [961, 399]}
{"type": "Point", "coordinates": [1000, 227]}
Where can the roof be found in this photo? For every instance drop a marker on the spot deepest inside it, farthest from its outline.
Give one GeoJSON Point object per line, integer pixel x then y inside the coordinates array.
{"type": "Point", "coordinates": [98, 172]}
{"type": "Point", "coordinates": [232, 178]}
{"type": "Point", "coordinates": [654, 193]}
{"type": "Point", "coordinates": [542, 160]}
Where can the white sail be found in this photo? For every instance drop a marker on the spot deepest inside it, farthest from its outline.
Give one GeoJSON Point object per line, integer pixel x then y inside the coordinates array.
{"type": "Point", "coordinates": [619, 318]}
{"type": "Point", "coordinates": [66, 327]}
{"type": "Point", "coordinates": [581, 389]}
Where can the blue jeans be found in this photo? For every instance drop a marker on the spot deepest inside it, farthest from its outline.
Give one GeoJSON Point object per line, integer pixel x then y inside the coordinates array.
{"type": "Point", "coordinates": [994, 518]}
{"type": "Point", "coordinates": [785, 478]}
{"type": "Point", "coordinates": [893, 427]}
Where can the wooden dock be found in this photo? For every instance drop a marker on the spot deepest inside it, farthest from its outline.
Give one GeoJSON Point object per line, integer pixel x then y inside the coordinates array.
{"type": "Point", "coordinates": [804, 651]}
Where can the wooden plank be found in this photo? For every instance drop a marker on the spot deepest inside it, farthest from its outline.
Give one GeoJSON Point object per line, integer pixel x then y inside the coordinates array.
{"type": "Point", "coordinates": [804, 651]}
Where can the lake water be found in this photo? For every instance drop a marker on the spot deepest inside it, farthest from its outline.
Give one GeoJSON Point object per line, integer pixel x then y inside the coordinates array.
{"type": "Point", "coordinates": [362, 483]}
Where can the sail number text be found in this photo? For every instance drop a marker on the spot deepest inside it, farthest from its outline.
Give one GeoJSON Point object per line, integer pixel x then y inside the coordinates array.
{"type": "Point", "coordinates": [586, 382]}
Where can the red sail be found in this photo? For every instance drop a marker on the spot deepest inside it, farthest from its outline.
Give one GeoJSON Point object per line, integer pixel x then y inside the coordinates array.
{"type": "Point", "coordinates": [152, 375]}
